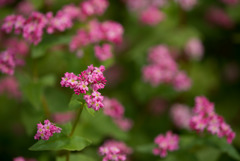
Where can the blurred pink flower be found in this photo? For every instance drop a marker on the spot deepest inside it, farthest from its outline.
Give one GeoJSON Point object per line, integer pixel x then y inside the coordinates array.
{"type": "Point", "coordinates": [194, 49]}
{"type": "Point", "coordinates": [157, 106]}
{"type": "Point", "coordinates": [152, 16]}
{"type": "Point", "coordinates": [230, 2]}
{"type": "Point", "coordinates": [25, 8]}
{"type": "Point", "coordinates": [219, 17]}
{"type": "Point", "coordinates": [187, 4]}
{"type": "Point", "coordinates": [10, 86]}
{"type": "Point", "coordinates": [182, 82]}
{"type": "Point", "coordinates": [166, 143]}
{"type": "Point", "coordinates": [63, 117]}
{"type": "Point", "coordinates": [181, 115]}
{"type": "Point", "coordinates": [103, 53]}
{"type": "Point", "coordinates": [124, 123]}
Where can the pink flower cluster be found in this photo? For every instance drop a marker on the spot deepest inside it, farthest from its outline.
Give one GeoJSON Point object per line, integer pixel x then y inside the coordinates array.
{"type": "Point", "coordinates": [5, 2]}
{"type": "Point", "coordinates": [219, 17]}
{"type": "Point", "coordinates": [114, 151]}
{"type": "Point", "coordinates": [206, 118]}
{"type": "Point", "coordinates": [115, 110]}
{"type": "Point", "coordinates": [187, 4]}
{"type": "Point", "coordinates": [194, 49]}
{"type": "Point", "coordinates": [166, 143]}
{"type": "Point", "coordinates": [63, 117]}
{"type": "Point", "coordinates": [181, 115]}
{"type": "Point", "coordinates": [10, 86]}
{"type": "Point", "coordinates": [230, 2]}
{"type": "Point", "coordinates": [33, 27]}
{"type": "Point", "coordinates": [91, 79]}
{"type": "Point", "coordinates": [107, 31]}
{"type": "Point", "coordinates": [164, 69]}
{"type": "Point", "coordinates": [148, 11]}
{"type": "Point", "coordinates": [13, 56]}
{"type": "Point", "coordinates": [23, 159]}
{"type": "Point", "coordinates": [47, 130]}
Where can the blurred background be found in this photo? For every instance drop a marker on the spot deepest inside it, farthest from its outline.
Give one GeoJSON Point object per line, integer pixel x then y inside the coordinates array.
{"type": "Point", "coordinates": [202, 37]}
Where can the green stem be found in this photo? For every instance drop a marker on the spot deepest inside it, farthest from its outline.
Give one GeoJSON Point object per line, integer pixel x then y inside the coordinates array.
{"type": "Point", "coordinates": [67, 155]}
{"type": "Point", "coordinates": [45, 107]}
{"type": "Point", "coordinates": [77, 119]}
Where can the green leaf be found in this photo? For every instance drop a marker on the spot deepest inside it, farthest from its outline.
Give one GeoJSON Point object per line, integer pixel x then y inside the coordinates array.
{"type": "Point", "coordinates": [48, 80]}
{"type": "Point", "coordinates": [47, 42]}
{"type": "Point", "coordinates": [58, 142]}
{"type": "Point", "coordinates": [222, 144]}
{"type": "Point", "coordinates": [146, 148]}
{"type": "Point", "coordinates": [76, 157]}
{"type": "Point", "coordinates": [90, 110]}
{"type": "Point", "coordinates": [75, 102]}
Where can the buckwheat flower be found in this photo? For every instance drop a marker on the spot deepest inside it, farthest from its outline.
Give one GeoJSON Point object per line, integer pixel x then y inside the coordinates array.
{"type": "Point", "coordinates": [113, 108]}
{"type": "Point", "coordinates": [152, 16]}
{"type": "Point", "coordinates": [8, 23]}
{"type": "Point", "coordinates": [5, 2]}
{"type": "Point", "coordinates": [17, 46]}
{"type": "Point", "coordinates": [166, 143]}
{"type": "Point", "coordinates": [7, 62]}
{"type": "Point", "coordinates": [80, 40]}
{"type": "Point", "coordinates": [181, 115]}
{"type": "Point", "coordinates": [95, 31]}
{"type": "Point", "coordinates": [114, 151]}
{"type": "Point", "coordinates": [100, 6]}
{"type": "Point", "coordinates": [124, 123]}
{"type": "Point", "coordinates": [194, 49]}
{"type": "Point", "coordinates": [33, 28]}
{"type": "Point", "coordinates": [87, 8]}
{"type": "Point", "coordinates": [113, 31]}
{"type": "Point", "coordinates": [25, 8]}
{"type": "Point", "coordinates": [19, 24]}
{"type": "Point", "coordinates": [103, 53]}
{"type": "Point", "coordinates": [72, 11]}
{"type": "Point", "coordinates": [63, 117]}
{"type": "Point", "coordinates": [206, 118]}
{"type": "Point", "coordinates": [91, 80]}
{"type": "Point", "coordinates": [219, 17]}
{"type": "Point", "coordinates": [10, 86]}
{"type": "Point", "coordinates": [230, 2]}
{"type": "Point", "coordinates": [46, 130]}
{"type": "Point", "coordinates": [19, 159]}
{"type": "Point", "coordinates": [182, 82]}
{"type": "Point", "coordinates": [187, 4]}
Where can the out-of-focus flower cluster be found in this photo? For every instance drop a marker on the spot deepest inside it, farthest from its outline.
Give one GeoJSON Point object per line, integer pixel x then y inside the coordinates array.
{"type": "Point", "coordinates": [206, 118]}
{"type": "Point", "coordinates": [96, 32]}
{"type": "Point", "coordinates": [115, 110]}
{"type": "Point", "coordinates": [164, 69]}
{"type": "Point", "coordinates": [9, 85]}
{"type": "Point", "coordinates": [194, 49]}
{"type": "Point", "coordinates": [13, 56]}
{"type": "Point", "coordinates": [114, 151]}
{"type": "Point", "coordinates": [166, 143]}
{"type": "Point", "coordinates": [181, 115]}
{"type": "Point", "coordinates": [90, 80]}
{"type": "Point", "coordinates": [32, 28]}
{"type": "Point", "coordinates": [47, 130]}
{"type": "Point", "coordinates": [23, 159]}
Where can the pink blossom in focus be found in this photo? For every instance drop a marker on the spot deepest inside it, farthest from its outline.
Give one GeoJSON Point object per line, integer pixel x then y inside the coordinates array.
{"type": "Point", "coordinates": [219, 17]}
{"type": "Point", "coordinates": [166, 143]}
{"type": "Point", "coordinates": [152, 16]}
{"type": "Point", "coordinates": [90, 79]}
{"type": "Point", "coordinates": [63, 117]}
{"type": "Point", "coordinates": [103, 53]}
{"type": "Point", "coordinates": [10, 86]}
{"type": "Point", "coordinates": [206, 118]}
{"type": "Point", "coordinates": [46, 130]}
{"type": "Point", "coordinates": [182, 82]}
{"type": "Point", "coordinates": [181, 115]}
{"type": "Point", "coordinates": [114, 150]}
{"type": "Point", "coordinates": [194, 49]}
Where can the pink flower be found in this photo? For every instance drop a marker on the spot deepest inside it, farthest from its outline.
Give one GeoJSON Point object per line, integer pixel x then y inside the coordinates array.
{"type": "Point", "coordinates": [113, 31]}
{"type": "Point", "coordinates": [63, 117]}
{"type": "Point", "coordinates": [166, 143]}
{"type": "Point", "coordinates": [23, 159]}
{"type": "Point", "coordinates": [10, 86]}
{"type": "Point", "coordinates": [7, 62]}
{"type": "Point", "coordinates": [181, 115]}
{"type": "Point", "coordinates": [219, 17]}
{"type": "Point", "coordinates": [187, 4]}
{"type": "Point", "coordinates": [124, 123]}
{"type": "Point", "coordinates": [206, 118]}
{"type": "Point", "coordinates": [182, 82]}
{"type": "Point", "coordinates": [152, 16]}
{"type": "Point", "coordinates": [25, 8]}
{"type": "Point", "coordinates": [104, 52]}
{"type": "Point", "coordinates": [91, 79]}
{"type": "Point", "coordinates": [8, 23]}
{"type": "Point", "coordinates": [47, 130]}
{"type": "Point", "coordinates": [230, 2]}
{"type": "Point", "coordinates": [194, 49]}
{"type": "Point", "coordinates": [114, 150]}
